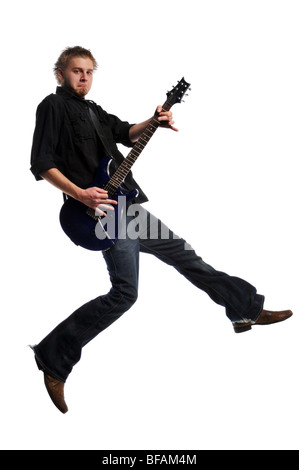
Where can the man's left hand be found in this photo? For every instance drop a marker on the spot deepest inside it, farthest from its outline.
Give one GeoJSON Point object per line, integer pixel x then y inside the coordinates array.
{"type": "Point", "coordinates": [165, 118]}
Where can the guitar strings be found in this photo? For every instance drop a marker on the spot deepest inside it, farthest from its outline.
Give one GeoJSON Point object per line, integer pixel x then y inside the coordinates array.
{"type": "Point", "coordinates": [125, 167]}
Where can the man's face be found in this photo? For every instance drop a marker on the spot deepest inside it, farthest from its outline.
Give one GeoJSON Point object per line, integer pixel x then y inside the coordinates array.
{"type": "Point", "coordinates": [78, 75]}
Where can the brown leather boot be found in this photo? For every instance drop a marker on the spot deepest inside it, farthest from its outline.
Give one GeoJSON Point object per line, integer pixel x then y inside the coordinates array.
{"type": "Point", "coordinates": [56, 391]}
{"type": "Point", "coordinates": [266, 318]}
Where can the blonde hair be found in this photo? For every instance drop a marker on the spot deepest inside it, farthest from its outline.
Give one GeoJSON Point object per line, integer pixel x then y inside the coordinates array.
{"type": "Point", "coordinates": [68, 54]}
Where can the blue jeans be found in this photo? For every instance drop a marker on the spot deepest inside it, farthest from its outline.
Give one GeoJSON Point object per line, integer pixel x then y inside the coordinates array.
{"type": "Point", "coordinates": [61, 349]}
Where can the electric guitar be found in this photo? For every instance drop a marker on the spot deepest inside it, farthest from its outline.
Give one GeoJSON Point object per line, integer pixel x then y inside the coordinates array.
{"type": "Point", "coordinates": [84, 226]}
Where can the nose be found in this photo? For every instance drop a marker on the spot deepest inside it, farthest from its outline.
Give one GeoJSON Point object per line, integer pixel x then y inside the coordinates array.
{"type": "Point", "coordinates": [83, 77]}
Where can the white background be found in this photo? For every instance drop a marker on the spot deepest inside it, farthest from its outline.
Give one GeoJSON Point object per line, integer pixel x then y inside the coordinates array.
{"type": "Point", "coordinates": [171, 373]}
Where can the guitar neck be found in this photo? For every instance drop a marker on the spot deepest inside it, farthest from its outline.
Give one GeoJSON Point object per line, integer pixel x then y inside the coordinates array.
{"type": "Point", "coordinates": [125, 167]}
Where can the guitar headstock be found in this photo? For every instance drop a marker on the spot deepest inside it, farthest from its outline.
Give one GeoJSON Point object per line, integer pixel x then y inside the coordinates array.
{"type": "Point", "coordinates": [178, 92]}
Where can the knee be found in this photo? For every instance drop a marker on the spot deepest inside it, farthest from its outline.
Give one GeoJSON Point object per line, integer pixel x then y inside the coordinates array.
{"type": "Point", "coordinates": [123, 299]}
{"type": "Point", "coordinates": [130, 297]}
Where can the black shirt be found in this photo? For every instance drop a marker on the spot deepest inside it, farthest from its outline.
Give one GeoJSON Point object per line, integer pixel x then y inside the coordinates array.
{"type": "Point", "coordinates": [65, 138]}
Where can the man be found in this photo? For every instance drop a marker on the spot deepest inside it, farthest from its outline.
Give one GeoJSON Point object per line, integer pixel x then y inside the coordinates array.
{"type": "Point", "coordinates": [71, 136]}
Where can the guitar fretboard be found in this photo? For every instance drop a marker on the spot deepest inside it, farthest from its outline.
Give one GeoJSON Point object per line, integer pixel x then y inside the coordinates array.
{"type": "Point", "coordinates": [125, 167]}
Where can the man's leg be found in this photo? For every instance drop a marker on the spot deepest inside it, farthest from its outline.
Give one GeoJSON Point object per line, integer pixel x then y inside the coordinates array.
{"type": "Point", "coordinates": [57, 354]}
{"type": "Point", "coordinates": [244, 307]}
{"type": "Point", "coordinates": [240, 299]}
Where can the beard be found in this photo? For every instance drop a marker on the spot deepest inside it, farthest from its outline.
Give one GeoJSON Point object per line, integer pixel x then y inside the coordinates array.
{"type": "Point", "coordinates": [80, 92]}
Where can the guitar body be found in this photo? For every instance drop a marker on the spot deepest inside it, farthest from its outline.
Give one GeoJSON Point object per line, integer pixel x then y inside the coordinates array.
{"type": "Point", "coordinates": [89, 230]}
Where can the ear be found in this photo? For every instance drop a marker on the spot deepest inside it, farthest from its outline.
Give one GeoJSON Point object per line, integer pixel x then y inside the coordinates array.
{"type": "Point", "coordinates": [60, 75]}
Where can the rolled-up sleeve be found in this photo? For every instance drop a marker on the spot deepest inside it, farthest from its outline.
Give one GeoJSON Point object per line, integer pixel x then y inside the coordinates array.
{"type": "Point", "coordinates": [119, 129]}
{"type": "Point", "coordinates": [45, 138]}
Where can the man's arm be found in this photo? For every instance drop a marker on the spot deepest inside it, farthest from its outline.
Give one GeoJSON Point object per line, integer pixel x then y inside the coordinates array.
{"type": "Point", "coordinates": [91, 197]}
{"type": "Point", "coordinates": [164, 117]}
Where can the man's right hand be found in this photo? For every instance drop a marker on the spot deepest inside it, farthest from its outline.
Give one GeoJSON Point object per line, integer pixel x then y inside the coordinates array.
{"type": "Point", "coordinates": [97, 199]}
{"type": "Point", "coordinates": [91, 197]}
